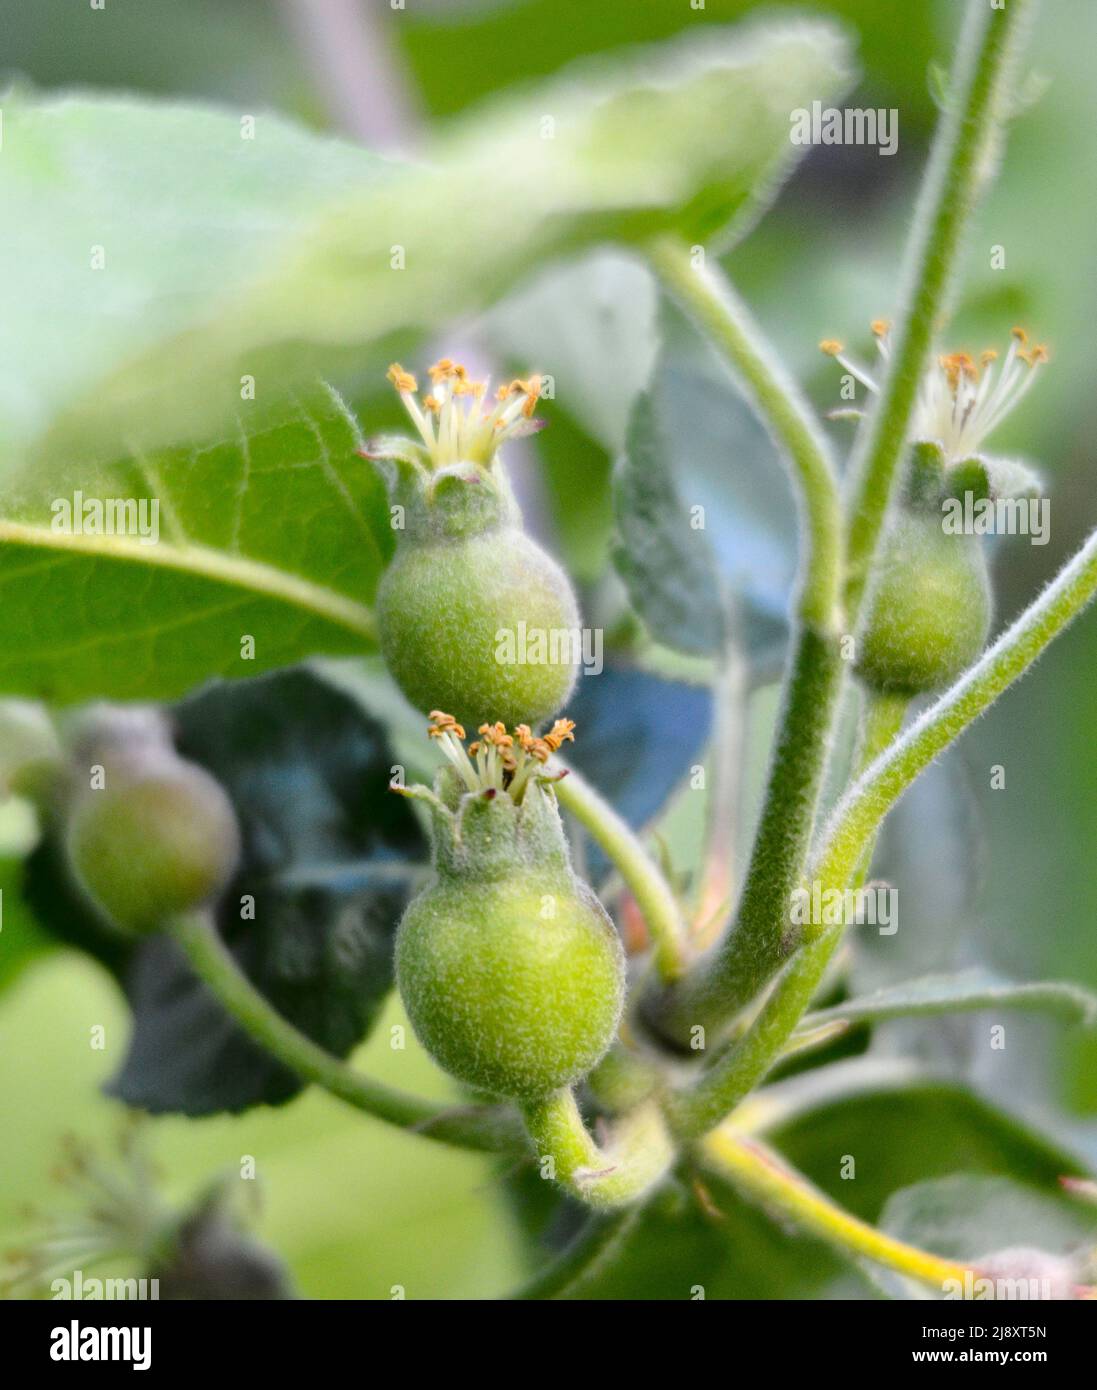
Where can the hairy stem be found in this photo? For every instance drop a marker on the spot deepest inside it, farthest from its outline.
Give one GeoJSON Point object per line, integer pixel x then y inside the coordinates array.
{"type": "Point", "coordinates": [977, 98]}
{"type": "Point", "coordinates": [760, 940]}
{"type": "Point", "coordinates": [489, 1129]}
{"type": "Point", "coordinates": [736, 1073]}
{"type": "Point", "coordinates": [763, 937]}
{"type": "Point", "coordinates": [882, 716]}
{"type": "Point", "coordinates": [758, 1173]}
{"type": "Point", "coordinates": [638, 1153]}
{"type": "Point", "coordinates": [863, 807]}
{"type": "Point", "coordinates": [653, 894]}
{"type": "Point", "coordinates": [855, 821]}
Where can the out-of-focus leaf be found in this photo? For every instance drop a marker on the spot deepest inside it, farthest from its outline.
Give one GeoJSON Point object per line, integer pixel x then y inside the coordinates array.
{"type": "Point", "coordinates": [969, 990]}
{"type": "Point", "coordinates": [637, 736]}
{"type": "Point", "coordinates": [668, 565]}
{"type": "Point", "coordinates": [931, 851]}
{"type": "Point", "coordinates": [703, 507]}
{"type": "Point", "coordinates": [211, 1258]}
{"type": "Point", "coordinates": [182, 248]}
{"type": "Point", "coordinates": [21, 938]}
{"type": "Point", "coordinates": [278, 533]}
{"type": "Point", "coordinates": [591, 325]}
{"type": "Point", "coordinates": [704, 1242]}
{"type": "Point", "coordinates": [963, 1216]}
{"type": "Point", "coordinates": [327, 860]}
{"type": "Point", "coordinates": [897, 1138]}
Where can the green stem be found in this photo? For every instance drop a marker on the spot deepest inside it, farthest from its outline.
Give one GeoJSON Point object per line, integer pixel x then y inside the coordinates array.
{"type": "Point", "coordinates": [718, 1091]}
{"type": "Point", "coordinates": [638, 1154]}
{"type": "Point", "coordinates": [868, 801]}
{"type": "Point", "coordinates": [758, 1173]}
{"type": "Point", "coordinates": [492, 1130]}
{"type": "Point", "coordinates": [882, 715]}
{"type": "Point", "coordinates": [763, 937]}
{"type": "Point", "coordinates": [725, 321]}
{"type": "Point", "coordinates": [594, 1244]}
{"type": "Point", "coordinates": [978, 90]}
{"type": "Point", "coordinates": [714, 896]}
{"type": "Point", "coordinates": [854, 822]}
{"type": "Point", "coordinates": [654, 897]}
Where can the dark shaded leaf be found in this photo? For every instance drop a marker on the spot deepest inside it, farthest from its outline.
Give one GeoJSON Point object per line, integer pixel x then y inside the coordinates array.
{"type": "Point", "coordinates": [328, 860]}
{"type": "Point", "coordinates": [211, 1258]}
{"type": "Point", "coordinates": [326, 851]}
{"type": "Point", "coordinates": [638, 735]}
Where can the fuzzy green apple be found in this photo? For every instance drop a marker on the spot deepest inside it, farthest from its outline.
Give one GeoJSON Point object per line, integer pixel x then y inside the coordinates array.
{"type": "Point", "coordinates": [929, 610]}
{"type": "Point", "coordinates": [155, 835]}
{"type": "Point", "coordinates": [510, 969]}
{"type": "Point", "coordinates": [472, 613]}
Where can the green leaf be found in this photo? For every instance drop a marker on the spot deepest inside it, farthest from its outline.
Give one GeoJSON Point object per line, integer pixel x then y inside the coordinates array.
{"type": "Point", "coordinates": [21, 938]}
{"type": "Point", "coordinates": [966, 991]}
{"type": "Point", "coordinates": [702, 503]}
{"type": "Point", "coordinates": [897, 1138]}
{"type": "Point", "coordinates": [964, 1215]}
{"type": "Point", "coordinates": [276, 256]}
{"type": "Point", "coordinates": [668, 566]}
{"type": "Point", "coordinates": [691, 1242]}
{"type": "Point", "coordinates": [591, 325]}
{"type": "Point", "coordinates": [278, 533]}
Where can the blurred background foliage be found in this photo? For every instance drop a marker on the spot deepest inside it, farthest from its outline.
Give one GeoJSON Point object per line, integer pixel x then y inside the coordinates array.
{"type": "Point", "coordinates": [1005, 878]}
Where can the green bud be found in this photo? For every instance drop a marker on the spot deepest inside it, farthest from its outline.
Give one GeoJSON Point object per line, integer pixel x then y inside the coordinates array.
{"type": "Point", "coordinates": [930, 604]}
{"type": "Point", "coordinates": [472, 614]}
{"type": "Point", "coordinates": [159, 837]}
{"type": "Point", "coordinates": [509, 967]}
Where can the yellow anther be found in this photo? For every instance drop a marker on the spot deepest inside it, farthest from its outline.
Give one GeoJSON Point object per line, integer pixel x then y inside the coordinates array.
{"type": "Point", "coordinates": [533, 392]}
{"type": "Point", "coordinates": [561, 732]}
{"type": "Point", "coordinates": [831, 346]}
{"type": "Point", "coordinates": [496, 734]}
{"type": "Point", "coordinates": [442, 723]}
{"type": "Point", "coordinates": [404, 382]}
{"type": "Point", "coordinates": [444, 369]}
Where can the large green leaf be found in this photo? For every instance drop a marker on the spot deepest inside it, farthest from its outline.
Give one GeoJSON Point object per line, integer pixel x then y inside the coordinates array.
{"type": "Point", "coordinates": [278, 534]}
{"type": "Point", "coordinates": [155, 254]}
